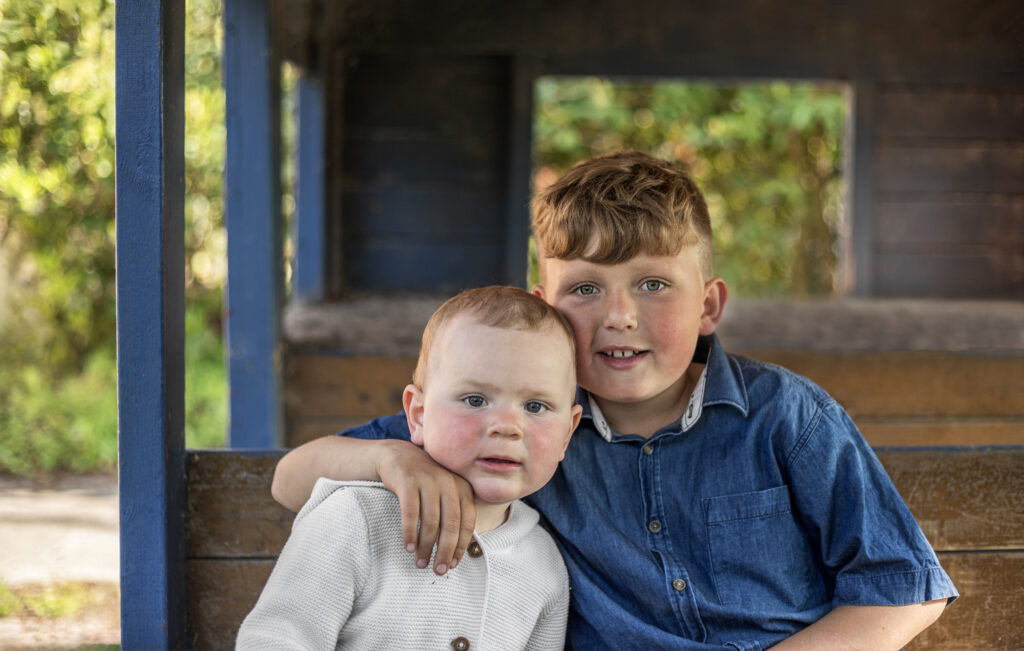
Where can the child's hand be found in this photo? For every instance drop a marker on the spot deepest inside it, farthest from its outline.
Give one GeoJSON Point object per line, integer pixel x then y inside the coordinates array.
{"type": "Point", "coordinates": [433, 497]}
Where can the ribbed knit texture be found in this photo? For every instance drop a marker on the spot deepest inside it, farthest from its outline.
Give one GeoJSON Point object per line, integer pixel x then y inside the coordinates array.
{"type": "Point", "coordinates": [343, 580]}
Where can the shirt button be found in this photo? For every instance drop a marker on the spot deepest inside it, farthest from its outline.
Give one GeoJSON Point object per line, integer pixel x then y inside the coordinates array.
{"type": "Point", "coordinates": [474, 551]}
{"type": "Point", "coordinates": [460, 644]}
{"type": "Point", "coordinates": [679, 585]}
{"type": "Point", "coordinates": [654, 526]}
{"type": "Point", "coordinates": [649, 449]}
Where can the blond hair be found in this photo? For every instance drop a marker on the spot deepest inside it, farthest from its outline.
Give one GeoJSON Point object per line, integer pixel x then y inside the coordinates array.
{"type": "Point", "coordinates": [497, 307]}
{"type": "Point", "coordinates": [631, 202]}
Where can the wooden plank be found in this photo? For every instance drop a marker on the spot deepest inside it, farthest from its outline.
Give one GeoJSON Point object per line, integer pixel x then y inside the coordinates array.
{"type": "Point", "coordinates": [966, 112]}
{"type": "Point", "coordinates": [984, 617]}
{"type": "Point", "coordinates": [911, 223]}
{"type": "Point", "coordinates": [398, 265]}
{"type": "Point", "coordinates": [231, 513]}
{"type": "Point", "coordinates": [901, 384]}
{"type": "Point", "coordinates": [327, 387]}
{"type": "Point", "coordinates": [409, 211]}
{"type": "Point", "coordinates": [252, 189]}
{"type": "Point", "coordinates": [926, 432]}
{"type": "Point", "coordinates": [970, 166]}
{"type": "Point", "coordinates": [965, 500]}
{"type": "Point", "coordinates": [983, 274]}
{"type": "Point", "coordinates": [436, 94]}
{"type": "Point", "coordinates": [873, 385]}
{"type": "Point", "coordinates": [388, 158]}
{"type": "Point", "coordinates": [959, 41]}
{"type": "Point", "coordinates": [150, 69]}
{"type": "Point", "coordinates": [301, 430]}
{"type": "Point", "coordinates": [223, 593]}
{"type": "Point", "coordinates": [962, 499]}
{"type": "Point", "coordinates": [987, 614]}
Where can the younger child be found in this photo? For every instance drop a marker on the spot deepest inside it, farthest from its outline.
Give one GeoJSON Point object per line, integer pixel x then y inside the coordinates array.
{"type": "Point", "coordinates": [708, 501]}
{"type": "Point", "coordinates": [492, 401]}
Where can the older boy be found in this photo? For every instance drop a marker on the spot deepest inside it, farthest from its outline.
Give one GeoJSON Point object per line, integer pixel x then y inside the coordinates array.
{"type": "Point", "coordinates": [498, 418]}
{"type": "Point", "coordinates": [708, 501]}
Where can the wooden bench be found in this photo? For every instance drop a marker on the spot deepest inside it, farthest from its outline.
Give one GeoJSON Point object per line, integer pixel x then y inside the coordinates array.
{"type": "Point", "coordinates": [968, 501]}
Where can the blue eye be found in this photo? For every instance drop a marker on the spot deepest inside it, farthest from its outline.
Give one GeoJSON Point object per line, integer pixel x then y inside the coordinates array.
{"type": "Point", "coordinates": [474, 401]}
{"type": "Point", "coordinates": [652, 285]}
{"type": "Point", "coordinates": [535, 407]}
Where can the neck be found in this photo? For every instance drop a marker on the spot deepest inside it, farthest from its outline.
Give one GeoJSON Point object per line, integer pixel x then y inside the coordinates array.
{"type": "Point", "coordinates": [648, 416]}
{"type": "Point", "coordinates": [490, 516]}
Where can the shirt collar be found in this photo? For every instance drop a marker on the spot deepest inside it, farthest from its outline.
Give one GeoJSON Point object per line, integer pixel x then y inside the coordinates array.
{"type": "Point", "coordinates": [720, 383]}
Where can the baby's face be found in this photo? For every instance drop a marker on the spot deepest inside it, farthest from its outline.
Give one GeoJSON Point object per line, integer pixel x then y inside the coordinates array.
{"type": "Point", "coordinates": [498, 406]}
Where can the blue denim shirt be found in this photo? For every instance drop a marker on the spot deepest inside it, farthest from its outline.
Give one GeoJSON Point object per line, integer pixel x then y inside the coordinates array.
{"type": "Point", "coordinates": [751, 518]}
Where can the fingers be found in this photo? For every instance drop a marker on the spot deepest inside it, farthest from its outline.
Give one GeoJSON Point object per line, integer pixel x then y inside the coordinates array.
{"type": "Point", "coordinates": [430, 513]}
{"type": "Point", "coordinates": [410, 504]}
{"type": "Point", "coordinates": [468, 525]}
{"type": "Point", "coordinates": [448, 531]}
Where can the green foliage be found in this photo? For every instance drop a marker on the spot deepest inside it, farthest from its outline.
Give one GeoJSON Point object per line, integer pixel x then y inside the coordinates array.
{"type": "Point", "coordinates": [57, 309]}
{"type": "Point", "coordinates": [53, 601]}
{"type": "Point", "coordinates": [767, 156]}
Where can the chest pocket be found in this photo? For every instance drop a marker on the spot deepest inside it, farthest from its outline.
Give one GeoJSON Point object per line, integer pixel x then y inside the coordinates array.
{"type": "Point", "coordinates": [760, 556]}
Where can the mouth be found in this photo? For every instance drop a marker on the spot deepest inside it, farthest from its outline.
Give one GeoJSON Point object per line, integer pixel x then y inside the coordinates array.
{"type": "Point", "coordinates": [621, 353]}
{"type": "Point", "coordinates": [499, 463]}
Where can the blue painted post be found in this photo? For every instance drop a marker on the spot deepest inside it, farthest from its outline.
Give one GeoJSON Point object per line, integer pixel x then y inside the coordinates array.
{"type": "Point", "coordinates": [310, 243]}
{"type": "Point", "coordinates": [253, 215]}
{"type": "Point", "coordinates": [150, 70]}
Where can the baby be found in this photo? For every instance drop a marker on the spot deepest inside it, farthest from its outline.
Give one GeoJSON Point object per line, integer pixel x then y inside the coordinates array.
{"type": "Point", "coordinates": [492, 400]}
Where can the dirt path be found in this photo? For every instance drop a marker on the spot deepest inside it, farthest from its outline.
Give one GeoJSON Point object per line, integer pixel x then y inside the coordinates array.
{"type": "Point", "coordinates": [66, 532]}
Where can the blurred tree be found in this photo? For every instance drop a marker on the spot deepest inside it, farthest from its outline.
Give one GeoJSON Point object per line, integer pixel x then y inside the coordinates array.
{"type": "Point", "coordinates": [57, 310]}
{"type": "Point", "coordinates": [767, 156]}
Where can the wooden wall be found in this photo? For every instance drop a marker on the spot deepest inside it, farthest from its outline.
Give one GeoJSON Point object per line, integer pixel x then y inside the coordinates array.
{"type": "Point", "coordinates": [949, 203]}
{"type": "Point", "coordinates": [430, 107]}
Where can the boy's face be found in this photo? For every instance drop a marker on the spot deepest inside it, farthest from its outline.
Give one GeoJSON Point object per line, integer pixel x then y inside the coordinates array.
{"type": "Point", "coordinates": [496, 406]}
{"type": "Point", "coordinates": [636, 323]}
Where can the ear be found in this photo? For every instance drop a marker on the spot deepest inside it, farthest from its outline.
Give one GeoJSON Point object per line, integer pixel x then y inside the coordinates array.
{"type": "Point", "coordinates": [538, 291]}
{"type": "Point", "coordinates": [412, 401]}
{"type": "Point", "coordinates": [715, 295]}
{"type": "Point", "coordinates": [577, 411]}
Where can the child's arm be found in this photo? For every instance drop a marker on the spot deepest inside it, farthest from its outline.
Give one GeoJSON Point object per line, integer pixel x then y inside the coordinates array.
{"type": "Point", "coordinates": [437, 505]}
{"type": "Point", "coordinates": [865, 627]}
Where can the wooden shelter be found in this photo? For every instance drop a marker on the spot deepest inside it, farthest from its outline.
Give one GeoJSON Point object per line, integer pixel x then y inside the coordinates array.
{"type": "Point", "coordinates": [413, 156]}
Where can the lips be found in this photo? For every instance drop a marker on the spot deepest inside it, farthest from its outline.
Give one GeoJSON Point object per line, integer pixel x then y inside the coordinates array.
{"type": "Point", "coordinates": [499, 464]}
{"type": "Point", "coordinates": [622, 358]}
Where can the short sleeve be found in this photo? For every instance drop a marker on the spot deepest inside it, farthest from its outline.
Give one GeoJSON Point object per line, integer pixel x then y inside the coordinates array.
{"type": "Point", "coordinates": [872, 549]}
{"type": "Point", "coordinates": [385, 427]}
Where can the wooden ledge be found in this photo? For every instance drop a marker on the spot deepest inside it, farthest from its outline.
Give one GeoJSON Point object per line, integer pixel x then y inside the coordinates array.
{"type": "Point", "coordinates": [391, 326]}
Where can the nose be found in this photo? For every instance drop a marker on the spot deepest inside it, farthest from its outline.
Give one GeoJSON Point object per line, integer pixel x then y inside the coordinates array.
{"type": "Point", "coordinates": [506, 422]}
{"type": "Point", "coordinates": [621, 311]}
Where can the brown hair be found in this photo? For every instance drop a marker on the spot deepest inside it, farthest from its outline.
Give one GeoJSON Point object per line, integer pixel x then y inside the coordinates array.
{"type": "Point", "coordinates": [497, 307]}
{"type": "Point", "coordinates": [632, 202]}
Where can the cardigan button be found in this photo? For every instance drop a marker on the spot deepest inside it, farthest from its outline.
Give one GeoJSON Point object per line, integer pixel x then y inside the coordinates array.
{"type": "Point", "coordinates": [460, 644]}
{"type": "Point", "coordinates": [474, 551]}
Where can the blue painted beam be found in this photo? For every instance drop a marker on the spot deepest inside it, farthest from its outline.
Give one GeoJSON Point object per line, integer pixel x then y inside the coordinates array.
{"type": "Point", "coordinates": [252, 181]}
{"type": "Point", "coordinates": [151, 322]}
{"type": "Point", "coordinates": [310, 242]}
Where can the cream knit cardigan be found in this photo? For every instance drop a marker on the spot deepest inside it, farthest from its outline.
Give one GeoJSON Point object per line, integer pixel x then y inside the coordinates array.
{"type": "Point", "coordinates": [343, 580]}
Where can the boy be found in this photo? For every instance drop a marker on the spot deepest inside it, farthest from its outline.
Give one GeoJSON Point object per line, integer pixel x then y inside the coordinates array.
{"type": "Point", "coordinates": [707, 500]}
{"type": "Point", "coordinates": [497, 417]}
